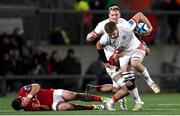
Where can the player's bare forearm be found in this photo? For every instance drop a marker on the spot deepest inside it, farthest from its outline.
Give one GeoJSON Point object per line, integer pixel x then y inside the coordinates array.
{"type": "Point", "coordinates": [35, 88]}
{"type": "Point", "coordinates": [99, 46]}
{"type": "Point", "coordinates": [91, 36]}
{"type": "Point", "coordinates": [140, 17]}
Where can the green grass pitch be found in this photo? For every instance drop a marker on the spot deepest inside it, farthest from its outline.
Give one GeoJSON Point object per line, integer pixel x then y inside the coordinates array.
{"type": "Point", "coordinates": [155, 104]}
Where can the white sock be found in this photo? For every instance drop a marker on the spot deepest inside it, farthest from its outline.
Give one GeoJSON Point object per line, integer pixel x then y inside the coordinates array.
{"type": "Point", "coordinates": [147, 77]}
{"type": "Point", "coordinates": [111, 101]}
{"type": "Point", "coordinates": [135, 94]}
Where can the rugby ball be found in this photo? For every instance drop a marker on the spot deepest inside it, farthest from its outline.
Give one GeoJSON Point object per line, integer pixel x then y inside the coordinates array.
{"type": "Point", "coordinates": [142, 28]}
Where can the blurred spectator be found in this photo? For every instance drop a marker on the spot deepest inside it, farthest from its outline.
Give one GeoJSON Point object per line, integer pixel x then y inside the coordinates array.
{"type": "Point", "coordinates": [97, 68]}
{"type": "Point", "coordinates": [55, 62]}
{"type": "Point", "coordinates": [97, 5]}
{"type": "Point", "coordinates": [6, 66]}
{"type": "Point", "coordinates": [42, 65]}
{"type": "Point", "coordinates": [4, 44]}
{"type": "Point", "coordinates": [27, 56]}
{"type": "Point", "coordinates": [71, 63]}
{"type": "Point", "coordinates": [138, 5]}
{"type": "Point", "coordinates": [170, 5]}
{"type": "Point", "coordinates": [59, 36]}
{"type": "Point", "coordinates": [84, 18]}
{"type": "Point", "coordinates": [17, 38]}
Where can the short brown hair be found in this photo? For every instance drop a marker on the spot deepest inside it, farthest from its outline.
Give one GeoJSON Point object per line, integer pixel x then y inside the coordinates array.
{"type": "Point", "coordinates": [114, 8]}
{"type": "Point", "coordinates": [110, 27]}
{"type": "Point", "coordinates": [16, 104]}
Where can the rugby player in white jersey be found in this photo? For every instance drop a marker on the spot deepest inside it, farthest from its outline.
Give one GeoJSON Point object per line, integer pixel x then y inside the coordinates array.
{"type": "Point", "coordinates": [122, 38]}
{"type": "Point", "coordinates": [114, 15]}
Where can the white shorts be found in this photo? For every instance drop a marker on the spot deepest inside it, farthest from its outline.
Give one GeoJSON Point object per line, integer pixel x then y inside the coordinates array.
{"type": "Point", "coordinates": [136, 53]}
{"type": "Point", "coordinates": [57, 97]}
{"type": "Point", "coordinates": [112, 72]}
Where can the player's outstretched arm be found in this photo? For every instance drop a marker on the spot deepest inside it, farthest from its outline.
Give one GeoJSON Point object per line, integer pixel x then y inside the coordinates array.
{"type": "Point", "coordinates": [140, 17]}
{"type": "Point", "coordinates": [91, 36]}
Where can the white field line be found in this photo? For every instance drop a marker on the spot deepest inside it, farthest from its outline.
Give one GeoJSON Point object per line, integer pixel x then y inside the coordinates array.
{"type": "Point", "coordinates": [7, 111]}
{"type": "Point", "coordinates": [161, 109]}
{"type": "Point", "coordinates": [166, 104]}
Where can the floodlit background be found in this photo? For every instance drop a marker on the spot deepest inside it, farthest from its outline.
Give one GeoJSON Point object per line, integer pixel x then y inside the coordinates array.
{"type": "Point", "coordinates": [43, 41]}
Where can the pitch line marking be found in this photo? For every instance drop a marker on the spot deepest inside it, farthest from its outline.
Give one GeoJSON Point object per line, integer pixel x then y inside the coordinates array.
{"type": "Point", "coordinates": [172, 109]}
{"type": "Point", "coordinates": [166, 104]}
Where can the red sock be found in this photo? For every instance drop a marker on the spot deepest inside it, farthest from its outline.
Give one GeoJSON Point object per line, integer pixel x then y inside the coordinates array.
{"type": "Point", "coordinates": [89, 107]}
{"type": "Point", "coordinates": [114, 99]}
{"type": "Point", "coordinates": [96, 98]}
{"type": "Point", "coordinates": [82, 107]}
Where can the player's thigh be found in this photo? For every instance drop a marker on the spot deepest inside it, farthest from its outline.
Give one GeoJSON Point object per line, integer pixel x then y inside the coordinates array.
{"type": "Point", "coordinates": [57, 98]}
{"type": "Point", "coordinates": [124, 61]}
{"type": "Point", "coordinates": [137, 58]}
{"type": "Point", "coordinates": [64, 106]}
{"type": "Point", "coordinates": [69, 95]}
{"type": "Point", "coordinates": [138, 54]}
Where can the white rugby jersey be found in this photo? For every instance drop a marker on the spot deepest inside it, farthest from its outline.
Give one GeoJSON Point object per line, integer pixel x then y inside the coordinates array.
{"type": "Point", "coordinates": [126, 40]}
{"type": "Point", "coordinates": [100, 27]}
{"type": "Point", "coordinates": [109, 50]}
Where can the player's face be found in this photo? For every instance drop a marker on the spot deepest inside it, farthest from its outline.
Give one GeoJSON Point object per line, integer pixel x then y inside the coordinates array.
{"type": "Point", "coordinates": [114, 15]}
{"type": "Point", "coordinates": [114, 34]}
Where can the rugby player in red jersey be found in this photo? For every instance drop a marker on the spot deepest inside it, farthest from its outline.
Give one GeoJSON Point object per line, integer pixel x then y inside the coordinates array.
{"type": "Point", "coordinates": [34, 98]}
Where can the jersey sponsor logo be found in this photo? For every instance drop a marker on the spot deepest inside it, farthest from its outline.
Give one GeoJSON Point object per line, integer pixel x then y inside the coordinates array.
{"type": "Point", "coordinates": [27, 87]}
{"type": "Point", "coordinates": [124, 37]}
{"type": "Point", "coordinates": [131, 22]}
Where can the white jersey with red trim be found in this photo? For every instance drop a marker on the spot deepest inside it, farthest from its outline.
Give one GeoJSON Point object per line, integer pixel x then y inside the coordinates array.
{"type": "Point", "coordinates": [99, 30]}
{"type": "Point", "coordinates": [100, 27]}
{"type": "Point", "coordinates": [126, 40]}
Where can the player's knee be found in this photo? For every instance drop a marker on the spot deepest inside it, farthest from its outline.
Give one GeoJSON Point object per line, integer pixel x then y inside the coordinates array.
{"type": "Point", "coordinates": [137, 65]}
{"type": "Point", "coordinates": [134, 63]}
{"type": "Point", "coordinates": [114, 89]}
{"type": "Point", "coordinates": [130, 84]}
{"type": "Point", "coordinates": [73, 95]}
{"type": "Point", "coordinates": [64, 106]}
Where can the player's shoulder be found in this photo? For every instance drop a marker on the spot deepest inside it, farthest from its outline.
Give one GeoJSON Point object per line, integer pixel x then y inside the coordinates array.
{"type": "Point", "coordinates": [122, 20]}
{"type": "Point", "coordinates": [104, 37]}
{"type": "Point", "coordinates": [27, 87]}
{"type": "Point", "coordinates": [125, 26]}
{"type": "Point", "coordinates": [103, 22]}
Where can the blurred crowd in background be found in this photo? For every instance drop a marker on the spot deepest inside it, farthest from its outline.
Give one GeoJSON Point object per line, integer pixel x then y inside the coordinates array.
{"type": "Point", "coordinates": [20, 56]}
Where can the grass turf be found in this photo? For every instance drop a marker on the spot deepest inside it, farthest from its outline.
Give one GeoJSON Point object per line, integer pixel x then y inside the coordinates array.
{"type": "Point", "coordinates": [155, 104]}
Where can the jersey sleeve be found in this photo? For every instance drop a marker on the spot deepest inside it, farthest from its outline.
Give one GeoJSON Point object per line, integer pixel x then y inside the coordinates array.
{"type": "Point", "coordinates": [99, 29]}
{"type": "Point", "coordinates": [132, 23]}
{"type": "Point", "coordinates": [104, 40]}
{"type": "Point", "coordinates": [25, 90]}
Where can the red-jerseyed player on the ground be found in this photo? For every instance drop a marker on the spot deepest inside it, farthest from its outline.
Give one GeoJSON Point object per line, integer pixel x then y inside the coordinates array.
{"type": "Point", "coordinates": [34, 98]}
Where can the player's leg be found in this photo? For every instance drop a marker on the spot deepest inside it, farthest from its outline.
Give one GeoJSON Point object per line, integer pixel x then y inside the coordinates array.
{"type": "Point", "coordinates": [118, 95]}
{"type": "Point", "coordinates": [136, 63]}
{"type": "Point", "coordinates": [91, 89]}
{"type": "Point", "coordinates": [69, 95]}
{"type": "Point", "coordinates": [128, 80]}
{"type": "Point", "coordinates": [61, 106]}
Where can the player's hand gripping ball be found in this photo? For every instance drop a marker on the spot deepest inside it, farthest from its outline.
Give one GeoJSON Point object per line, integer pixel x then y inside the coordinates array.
{"type": "Point", "coordinates": [142, 28]}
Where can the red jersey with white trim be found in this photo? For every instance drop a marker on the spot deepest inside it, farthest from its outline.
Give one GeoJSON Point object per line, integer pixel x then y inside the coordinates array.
{"type": "Point", "coordinates": [44, 96]}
